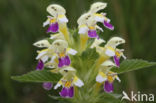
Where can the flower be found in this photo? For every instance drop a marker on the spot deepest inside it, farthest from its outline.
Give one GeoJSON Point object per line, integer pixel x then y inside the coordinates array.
{"type": "Point", "coordinates": [58, 52]}
{"type": "Point", "coordinates": [47, 85]}
{"type": "Point", "coordinates": [114, 42]}
{"type": "Point", "coordinates": [41, 57]}
{"type": "Point", "coordinates": [68, 81]}
{"type": "Point", "coordinates": [87, 25]}
{"type": "Point", "coordinates": [118, 54]}
{"type": "Point", "coordinates": [109, 50]}
{"type": "Point", "coordinates": [112, 51]}
{"type": "Point", "coordinates": [100, 17]}
{"type": "Point", "coordinates": [61, 49]}
{"type": "Point", "coordinates": [45, 54]}
{"type": "Point", "coordinates": [107, 76]}
{"type": "Point", "coordinates": [58, 18]}
{"type": "Point", "coordinates": [103, 19]}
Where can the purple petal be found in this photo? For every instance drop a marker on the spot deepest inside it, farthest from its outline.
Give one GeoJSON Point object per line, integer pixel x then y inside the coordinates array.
{"type": "Point", "coordinates": [67, 92]}
{"type": "Point", "coordinates": [61, 62]}
{"type": "Point", "coordinates": [108, 87]}
{"type": "Point", "coordinates": [64, 92]}
{"type": "Point", "coordinates": [71, 92]}
{"type": "Point", "coordinates": [40, 65]}
{"type": "Point", "coordinates": [47, 85]}
{"type": "Point", "coordinates": [67, 60]}
{"type": "Point", "coordinates": [117, 61]}
{"type": "Point", "coordinates": [53, 27]}
{"type": "Point", "coordinates": [92, 34]}
{"type": "Point", "coordinates": [108, 25]}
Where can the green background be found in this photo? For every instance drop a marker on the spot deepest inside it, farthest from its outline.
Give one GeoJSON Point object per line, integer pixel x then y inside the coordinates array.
{"type": "Point", "coordinates": [21, 25]}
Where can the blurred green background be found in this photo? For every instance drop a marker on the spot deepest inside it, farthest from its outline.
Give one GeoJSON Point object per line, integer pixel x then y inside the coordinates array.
{"type": "Point", "coordinates": [21, 25]}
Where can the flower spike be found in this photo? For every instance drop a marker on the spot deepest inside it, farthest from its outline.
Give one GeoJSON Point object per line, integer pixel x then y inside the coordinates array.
{"type": "Point", "coordinates": [57, 52]}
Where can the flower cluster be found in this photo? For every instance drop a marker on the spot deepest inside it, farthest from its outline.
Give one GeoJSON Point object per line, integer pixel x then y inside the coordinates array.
{"type": "Point", "coordinates": [56, 52]}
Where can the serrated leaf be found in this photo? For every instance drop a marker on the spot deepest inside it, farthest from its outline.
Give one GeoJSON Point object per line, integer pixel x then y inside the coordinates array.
{"type": "Point", "coordinates": [110, 98]}
{"type": "Point", "coordinates": [38, 76]}
{"type": "Point", "coordinates": [132, 64]}
{"type": "Point", "coordinates": [57, 97]}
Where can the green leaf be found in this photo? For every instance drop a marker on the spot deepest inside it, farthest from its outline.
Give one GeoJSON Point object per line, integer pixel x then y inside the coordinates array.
{"type": "Point", "coordinates": [59, 98]}
{"type": "Point", "coordinates": [38, 76]}
{"type": "Point", "coordinates": [132, 64]}
{"type": "Point", "coordinates": [110, 98]}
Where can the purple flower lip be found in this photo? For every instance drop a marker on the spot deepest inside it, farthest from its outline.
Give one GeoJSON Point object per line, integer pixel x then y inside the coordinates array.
{"type": "Point", "coordinates": [40, 65]}
{"type": "Point", "coordinates": [53, 27]}
{"type": "Point", "coordinates": [47, 85]}
{"type": "Point", "coordinates": [108, 25]}
{"type": "Point", "coordinates": [61, 63]}
{"type": "Point", "coordinates": [64, 61]}
{"type": "Point", "coordinates": [67, 60]}
{"type": "Point", "coordinates": [108, 87]}
{"type": "Point", "coordinates": [67, 92]}
{"type": "Point", "coordinates": [117, 61]}
{"type": "Point", "coordinates": [92, 34]}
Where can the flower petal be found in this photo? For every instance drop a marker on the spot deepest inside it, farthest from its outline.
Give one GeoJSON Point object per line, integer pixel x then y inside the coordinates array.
{"type": "Point", "coordinates": [67, 60]}
{"type": "Point", "coordinates": [83, 29]}
{"type": "Point", "coordinates": [47, 85]}
{"type": "Point", "coordinates": [117, 61]}
{"type": "Point", "coordinates": [62, 19]}
{"type": "Point", "coordinates": [64, 92]}
{"type": "Point", "coordinates": [43, 52]}
{"type": "Point", "coordinates": [71, 51]}
{"type": "Point", "coordinates": [54, 27]}
{"type": "Point", "coordinates": [108, 87]}
{"type": "Point", "coordinates": [117, 78]}
{"type": "Point", "coordinates": [99, 17]}
{"type": "Point", "coordinates": [97, 42]}
{"type": "Point", "coordinates": [78, 82]}
{"type": "Point", "coordinates": [71, 92]}
{"type": "Point", "coordinates": [57, 36]}
{"type": "Point", "coordinates": [40, 65]}
{"type": "Point", "coordinates": [108, 25]}
{"type": "Point", "coordinates": [92, 34]}
{"type": "Point", "coordinates": [42, 43]}
{"type": "Point", "coordinates": [100, 78]}
{"type": "Point", "coordinates": [52, 59]}
{"type": "Point", "coordinates": [110, 52]}
{"type": "Point", "coordinates": [46, 22]}
{"type": "Point", "coordinates": [99, 28]}
{"type": "Point", "coordinates": [44, 58]}
{"type": "Point", "coordinates": [58, 84]}
{"type": "Point", "coordinates": [61, 62]}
